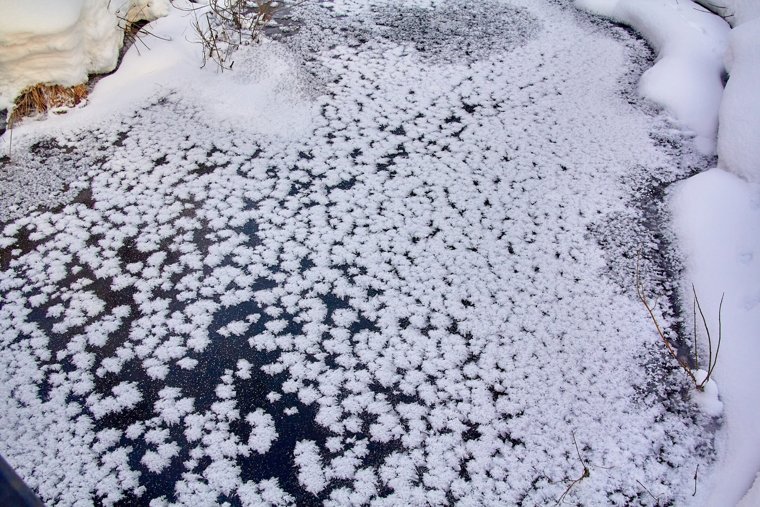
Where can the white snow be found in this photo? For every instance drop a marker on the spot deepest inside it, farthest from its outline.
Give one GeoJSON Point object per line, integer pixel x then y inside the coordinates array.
{"type": "Point", "coordinates": [708, 398]}
{"type": "Point", "coordinates": [739, 134]}
{"type": "Point", "coordinates": [690, 44]}
{"type": "Point", "coordinates": [717, 218]}
{"type": "Point", "coordinates": [310, 469]}
{"type": "Point", "coordinates": [28, 17]}
{"type": "Point", "coordinates": [716, 215]}
{"type": "Point", "coordinates": [55, 42]}
{"type": "Point", "coordinates": [406, 249]}
{"type": "Point", "coordinates": [736, 12]}
{"type": "Point", "coordinates": [263, 431]}
{"type": "Point", "coordinates": [752, 498]}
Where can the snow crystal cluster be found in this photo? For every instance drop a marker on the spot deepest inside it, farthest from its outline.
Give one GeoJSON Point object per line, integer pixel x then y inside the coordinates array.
{"type": "Point", "coordinates": [57, 42]}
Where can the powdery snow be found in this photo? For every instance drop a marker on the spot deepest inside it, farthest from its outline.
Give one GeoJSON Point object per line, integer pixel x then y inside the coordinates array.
{"type": "Point", "coordinates": [736, 12]}
{"type": "Point", "coordinates": [27, 18]}
{"type": "Point", "coordinates": [752, 497]}
{"type": "Point", "coordinates": [716, 215]}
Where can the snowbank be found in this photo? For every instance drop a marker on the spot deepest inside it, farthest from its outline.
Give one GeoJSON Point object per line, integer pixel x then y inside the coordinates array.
{"type": "Point", "coordinates": [739, 136]}
{"type": "Point", "coordinates": [690, 45]}
{"type": "Point", "coordinates": [716, 217]}
{"type": "Point", "coordinates": [736, 12]}
{"type": "Point", "coordinates": [49, 41]}
{"type": "Point", "coordinates": [752, 497]}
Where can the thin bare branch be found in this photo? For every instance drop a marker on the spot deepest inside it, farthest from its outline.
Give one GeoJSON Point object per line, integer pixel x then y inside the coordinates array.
{"type": "Point", "coordinates": [586, 473]}
{"type": "Point", "coordinates": [642, 296]}
{"type": "Point", "coordinates": [707, 330]}
{"type": "Point", "coordinates": [656, 499]}
{"type": "Point", "coordinates": [696, 349]}
{"type": "Point", "coordinates": [720, 336]}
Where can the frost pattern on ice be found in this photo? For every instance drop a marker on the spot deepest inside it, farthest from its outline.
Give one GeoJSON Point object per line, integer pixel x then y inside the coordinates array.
{"type": "Point", "coordinates": [405, 306]}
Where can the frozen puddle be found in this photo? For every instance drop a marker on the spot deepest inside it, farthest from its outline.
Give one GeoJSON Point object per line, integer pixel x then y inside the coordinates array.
{"type": "Point", "coordinates": [406, 305]}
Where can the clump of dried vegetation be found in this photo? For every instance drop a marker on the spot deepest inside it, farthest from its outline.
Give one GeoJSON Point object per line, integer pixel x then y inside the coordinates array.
{"type": "Point", "coordinates": [41, 98]}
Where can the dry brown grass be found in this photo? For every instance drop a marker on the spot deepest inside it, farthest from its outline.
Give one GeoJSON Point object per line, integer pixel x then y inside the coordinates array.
{"type": "Point", "coordinates": [41, 98]}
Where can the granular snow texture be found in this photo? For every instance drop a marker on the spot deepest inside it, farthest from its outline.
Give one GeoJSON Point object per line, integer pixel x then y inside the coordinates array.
{"type": "Point", "coordinates": [408, 304]}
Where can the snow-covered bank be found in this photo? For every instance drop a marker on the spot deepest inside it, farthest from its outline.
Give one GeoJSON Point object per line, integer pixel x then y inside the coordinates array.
{"type": "Point", "coordinates": [739, 134]}
{"type": "Point", "coordinates": [716, 214]}
{"type": "Point", "coordinates": [690, 43]}
{"type": "Point", "coordinates": [54, 42]}
{"type": "Point", "coordinates": [717, 219]}
{"type": "Point", "coordinates": [694, 49]}
{"type": "Point", "coordinates": [735, 12]}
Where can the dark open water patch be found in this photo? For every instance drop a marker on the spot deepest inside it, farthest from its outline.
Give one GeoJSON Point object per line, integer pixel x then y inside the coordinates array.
{"type": "Point", "coordinates": [455, 31]}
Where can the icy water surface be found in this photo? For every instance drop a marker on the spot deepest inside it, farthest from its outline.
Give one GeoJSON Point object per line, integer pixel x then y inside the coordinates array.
{"type": "Point", "coordinates": [425, 298]}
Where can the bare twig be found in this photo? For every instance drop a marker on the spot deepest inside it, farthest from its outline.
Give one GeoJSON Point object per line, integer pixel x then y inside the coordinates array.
{"type": "Point", "coordinates": [696, 349]}
{"type": "Point", "coordinates": [684, 364]}
{"type": "Point", "coordinates": [656, 499]}
{"type": "Point", "coordinates": [668, 346]}
{"type": "Point", "coordinates": [707, 329]}
{"type": "Point", "coordinates": [720, 337]}
{"type": "Point", "coordinates": [230, 24]}
{"type": "Point", "coordinates": [586, 473]}
{"type": "Point", "coordinates": [10, 140]}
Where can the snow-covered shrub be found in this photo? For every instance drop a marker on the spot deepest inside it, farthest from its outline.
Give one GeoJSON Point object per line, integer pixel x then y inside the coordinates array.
{"type": "Point", "coordinates": [228, 24]}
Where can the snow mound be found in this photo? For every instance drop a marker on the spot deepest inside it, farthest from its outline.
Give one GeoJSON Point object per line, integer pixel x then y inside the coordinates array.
{"type": "Point", "coordinates": [71, 40]}
{"type": "Point", "coordinates": [739, 136]}
{"type": "Point", "coordinates": [690, 43]}
{"type": "Point", "coordinates": [735, 12]}
{"type": "Point", "coordinates": [708, 398]}
{"type": "Point", "coordinates": [717, 216]}
{"type": "Point", "coordinates": [753, 495]}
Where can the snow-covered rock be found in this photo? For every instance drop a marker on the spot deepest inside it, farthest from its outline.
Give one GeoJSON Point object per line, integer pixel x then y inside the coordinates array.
{"type": "Point", "coordinates": [48, 41]}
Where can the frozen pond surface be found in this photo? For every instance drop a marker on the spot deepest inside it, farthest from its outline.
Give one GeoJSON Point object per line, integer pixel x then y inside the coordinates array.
{"type": "Point", "coordinates": [423, 295]}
